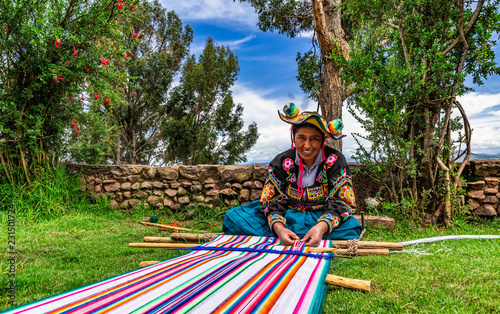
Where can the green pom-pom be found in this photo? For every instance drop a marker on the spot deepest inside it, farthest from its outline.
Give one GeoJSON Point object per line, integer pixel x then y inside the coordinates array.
{"type": "Point", "coordinates": [290, 110]}
{"type": "Point", "coordinates": [153, 219]}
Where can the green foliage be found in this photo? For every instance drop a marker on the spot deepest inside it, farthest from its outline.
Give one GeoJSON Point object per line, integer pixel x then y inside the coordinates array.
{"type": "Point", "coordinates": [54, 194]}
{"type": "Point", "coordinates": [51, 57]}
{"type": "Point", "coordinates": [407, 66]}
{"type": "Point", "coordinates": [286, 17]}
{"type": "Point", "coordinates": [132, 119]}
{"type": "Point", "coordinates": [205, 126]}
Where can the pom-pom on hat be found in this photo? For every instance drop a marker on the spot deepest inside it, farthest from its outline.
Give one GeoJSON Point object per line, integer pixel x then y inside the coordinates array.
{"type": "Point", "coordinates": [293, 116]}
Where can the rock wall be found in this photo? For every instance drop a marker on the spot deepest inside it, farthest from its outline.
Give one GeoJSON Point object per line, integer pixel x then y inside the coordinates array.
{"type": "Point", "coordinates": [179, 188]}
{"type": "Point", "coordinates": [483, 190]}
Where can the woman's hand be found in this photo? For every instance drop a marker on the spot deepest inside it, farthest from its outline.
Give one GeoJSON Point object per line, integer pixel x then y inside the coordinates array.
{"type": "Point", "coordinates": [287, 237]}
{"type": "Point", "coordinates": [314, 235]}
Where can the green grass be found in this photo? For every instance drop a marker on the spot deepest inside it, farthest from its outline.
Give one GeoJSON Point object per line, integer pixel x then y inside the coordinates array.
{"type": "Point", "coordinates": [66, 252]}
{"type": "Point", "coordinates": [85, 242]}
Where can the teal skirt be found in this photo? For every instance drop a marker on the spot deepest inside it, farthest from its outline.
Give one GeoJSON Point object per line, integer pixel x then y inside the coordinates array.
{"type": "Point", "coordinates": [250, 220]}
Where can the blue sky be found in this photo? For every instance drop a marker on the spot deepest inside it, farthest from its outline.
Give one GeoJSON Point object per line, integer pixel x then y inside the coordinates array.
{"type": "Point", "coordinates": [267, 78]}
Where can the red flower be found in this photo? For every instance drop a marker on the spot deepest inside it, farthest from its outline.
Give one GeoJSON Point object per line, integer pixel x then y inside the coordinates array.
{"type": "Point", "coordinates": [104, 61]}
{"type": "Point", "coordinates": [132, 9]}
{"type": "Point", "coordinates": [108, 102]}
{"type": "Point", "coordinates": [118, 21]}
{"type": "Point", "coordinates": [72, 124]}
{"type": "Point", "coordinates": [59, 79]}
{"type": "Point", "coordinates": [133, 33]}
{"type": "Point", "coordinates": [95, 96]}
{"type": "Point", "coordinates": [86, 68]}
{"type": "Point", "coordinates": [130, 53]}
{"type": "Point", "coordinates": [83, 98]}
{"type": "Point", "coordinates": [126, 55]}
{"type": "Point", "coordinates": [71, 99]}
{"type": "Point", "coordinates": [74, 52]}
{"type": "Point", "coordinates": [58, 42]}
{"type": "Point", "coordinates": [120, 7]}
{"type": "Point", "coordinates": [133, 93]}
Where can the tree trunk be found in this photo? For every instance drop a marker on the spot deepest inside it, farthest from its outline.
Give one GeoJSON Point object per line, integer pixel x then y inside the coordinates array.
{"type": "Point", "coordinates": [330, 36]}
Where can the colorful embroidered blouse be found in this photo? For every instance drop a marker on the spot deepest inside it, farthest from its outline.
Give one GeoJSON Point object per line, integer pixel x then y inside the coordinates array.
{"type": "Point", "coordinates": [331, 193]}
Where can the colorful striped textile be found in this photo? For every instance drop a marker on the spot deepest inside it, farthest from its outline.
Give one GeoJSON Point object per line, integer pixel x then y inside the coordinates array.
{"type": "Point", "coordinates": [207, 281]}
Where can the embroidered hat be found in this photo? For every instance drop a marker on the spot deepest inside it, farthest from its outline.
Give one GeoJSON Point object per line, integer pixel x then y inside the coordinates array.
{"type": "Point", "coordinates": [293, 116]}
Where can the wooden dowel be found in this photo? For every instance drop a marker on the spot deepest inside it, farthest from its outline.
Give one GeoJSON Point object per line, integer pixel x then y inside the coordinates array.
{"type": "Point", "coordinates": [159, 239]}
{"type": "Point", "coordinates": [367, 244]}
{"type": "Point", "coordinates": [194, 237]}
{"type": "Point", "coordinates": [349, 283]}
{"type": "Point", "coordinates": [166, 227]}
{"type": "Point", "coordinates": [356, 284]}
{"type": "Point", "coordinates": [311, 249]}
{"type": "Point", "coordinates": [359, 252]}
{"type": "Point", "coordinates": [164, 245]}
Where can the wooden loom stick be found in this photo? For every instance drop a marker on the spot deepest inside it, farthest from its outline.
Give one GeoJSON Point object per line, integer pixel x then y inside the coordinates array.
{"type": "Point", "coordinates": [384, 252]}
{"type": "Point", "coordinates": [159, 239]}
{"type": "Point", "coordinates": [355, 284]}
{"type": "Point", "coordinates": [166, 227]}
{"type": "Point", "coordinates": [194, 237]}
{"type": "Point", "coordinates": [368, 244]}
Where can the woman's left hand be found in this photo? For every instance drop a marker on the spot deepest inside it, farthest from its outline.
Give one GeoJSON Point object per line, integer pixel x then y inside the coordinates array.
{"type": "Point", "coordinates": [314, 235]}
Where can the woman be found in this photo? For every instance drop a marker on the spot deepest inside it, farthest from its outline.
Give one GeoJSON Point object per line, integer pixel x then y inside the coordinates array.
{"type": "Point", "coordinates": [308, 192]}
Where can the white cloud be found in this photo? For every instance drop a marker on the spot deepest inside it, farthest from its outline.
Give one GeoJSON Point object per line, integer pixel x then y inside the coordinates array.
{"type": "Point", "coordinates": [223, 11]}
{"type": "Point", "coordinates": [485, 124]}
{"type": "Point", "coordinates": [474, 103]}
{"type": "Point", "coordinates": [235, 44]}
{"type": "Point", "coordinates": [495, 113]}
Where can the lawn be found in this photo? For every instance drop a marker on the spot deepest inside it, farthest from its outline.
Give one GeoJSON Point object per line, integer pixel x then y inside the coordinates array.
{"type": "Point", "coordinates": [68, 251]}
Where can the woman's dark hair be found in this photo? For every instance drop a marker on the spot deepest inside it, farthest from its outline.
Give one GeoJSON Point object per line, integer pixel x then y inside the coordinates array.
{"type": "Point", "coordinates": [297, 127]}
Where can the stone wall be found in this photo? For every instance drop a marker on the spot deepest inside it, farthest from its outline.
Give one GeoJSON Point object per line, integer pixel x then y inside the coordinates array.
{"type": "Point", "coordinates": [483, 189]}
{"type": "Point", "coordinates": [181, 187]}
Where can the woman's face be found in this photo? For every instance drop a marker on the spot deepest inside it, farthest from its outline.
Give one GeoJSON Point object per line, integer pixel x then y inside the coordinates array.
{"type": "Point", "coordinates": [308, 143]}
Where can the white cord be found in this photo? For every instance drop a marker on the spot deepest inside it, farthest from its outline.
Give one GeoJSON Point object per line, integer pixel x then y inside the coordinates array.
{"type": "Point", "coordinates": [453, 237]}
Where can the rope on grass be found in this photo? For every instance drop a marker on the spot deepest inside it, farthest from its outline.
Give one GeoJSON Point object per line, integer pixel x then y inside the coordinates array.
{"type": "Point", "coordinates": [418, 251]}
{"type": "Point", "coordinates": [452, 237]}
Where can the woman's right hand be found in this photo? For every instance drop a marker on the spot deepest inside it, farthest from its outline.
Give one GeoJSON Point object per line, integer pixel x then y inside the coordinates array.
{"type": "Point", "coordinates": [287, 237]}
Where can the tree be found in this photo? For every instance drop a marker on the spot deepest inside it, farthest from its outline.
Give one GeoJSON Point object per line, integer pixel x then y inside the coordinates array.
{"type": "Point", "coordinates": [52, 52]}
{"type": "Point", "coordinates": [159, 50]}
{"type": "Point", "coordinates": [205, 126]}
{"type": "Point", "coordinates": [408, 66]}
{"type": "Point", "coordinates": [157, 46]}
{"type": "Point", "coordinates": [324, 17]}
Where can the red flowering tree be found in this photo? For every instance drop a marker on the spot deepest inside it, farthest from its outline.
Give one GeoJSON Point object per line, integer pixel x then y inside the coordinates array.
{"type": "Point", "coordinates": [57, 56]}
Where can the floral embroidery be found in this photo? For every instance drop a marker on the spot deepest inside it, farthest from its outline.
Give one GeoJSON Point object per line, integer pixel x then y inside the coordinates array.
{"type": "Point", "coordinates": [315, 194]}
{"type": "Point", "coordinates": [319, 178]}
{"type": "Point", "coordinates": [331, 220]}
{"type": "Point", "coordinates": [274, 218]}
{"type": "Point", "coordinates": [293, 192]}
{"type": "Point", "coordinates": [331, 160]}
{"type": "Point", "coordinates": [345, 216]}
{"type": "Point", "coordinates": [292, 178]}
{"type": "Point", "coordinates": [267, 193]}
{"type": "Point", "coordinates": [347, 194]}
{"type": "Point", "coordinates": [287, 164]}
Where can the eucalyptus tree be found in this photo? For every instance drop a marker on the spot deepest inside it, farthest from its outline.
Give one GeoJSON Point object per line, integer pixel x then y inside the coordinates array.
{"type": "Point", "coordinates": [205, 125]}
{"type": "Point", "coordinates": [318, 74]}
{"type": "Point", "coordinates": [158, 49]}
{"type": "Point", "coordinates": [408, 64]}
